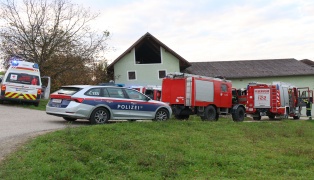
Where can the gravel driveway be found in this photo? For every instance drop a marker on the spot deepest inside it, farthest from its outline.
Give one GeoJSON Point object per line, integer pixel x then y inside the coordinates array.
{"type": "Point", "coordinates": [17, 125]}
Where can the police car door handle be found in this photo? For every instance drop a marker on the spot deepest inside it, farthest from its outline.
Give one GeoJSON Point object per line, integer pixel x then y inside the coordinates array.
{"type": "Point", "coordinates": [133, 103]}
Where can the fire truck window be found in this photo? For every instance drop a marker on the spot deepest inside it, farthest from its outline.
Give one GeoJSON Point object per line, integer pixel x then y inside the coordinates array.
{"type": "Point", "coordinates": [304, 94]}
{"type": "Point", "coordinates": [149, 93]}
{"type": "Point", "coordinates": [234, 92]}
{"type": "Point", "coordinates": [131, 75]}
{"type": "Point", "coordinates": [224, 88]}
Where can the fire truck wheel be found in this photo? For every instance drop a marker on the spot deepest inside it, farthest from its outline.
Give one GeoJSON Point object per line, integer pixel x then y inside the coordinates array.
{"type": "Point", "coordinates": [181, 117]}
{"type": "Point", "coordinates": [69, 119]}
{"type": "Point", "coordinates": [99, 116]}
{"type": "Point", "coordinates": [161, 115]}
{"type": "Point", "coordinates": [296, 117]}
{"type": "Point", "coordinates": [271, 116]}
{"type": "Point", "coordinates": [239, 114]}
{"type": "Point", "coordinates": [210, 114]}
{"type": "Point", "coordinates": [257, 118]}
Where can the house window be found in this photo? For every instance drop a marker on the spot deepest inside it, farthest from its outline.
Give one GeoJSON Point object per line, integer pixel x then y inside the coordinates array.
{"type": "Point", "coordinates": [148, 52]}
{"type": "Point", "coordinates": [131, 75]}
{"type": "Point", "coordinates": [162, 74]}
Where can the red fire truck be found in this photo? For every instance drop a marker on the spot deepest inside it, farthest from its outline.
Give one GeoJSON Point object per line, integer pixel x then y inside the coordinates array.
{"type": "Point", "coordinates": [277, 99]}
{"type": "Point", "coordinates": [154, 92]}
{"type": "Point", "coordinates": [139, 88]}
{"type": "Point", "coordinates": [207, 97]}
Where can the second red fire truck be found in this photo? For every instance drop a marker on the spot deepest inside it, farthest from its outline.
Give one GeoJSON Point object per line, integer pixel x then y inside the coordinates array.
{"type": "Point", "coordinates": [277, 99]}
{"type": "Point", "coordinates": [205, 96]}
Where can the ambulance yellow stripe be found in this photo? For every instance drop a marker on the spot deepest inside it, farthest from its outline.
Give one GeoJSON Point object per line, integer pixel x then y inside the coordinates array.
{"type": "Point", "coordinates": [11, 94]}
{"type": "Point", "coordinates": [26, 96]}
{"type": "Point", "coordinates": [33, 96]}
{"type": "Point", "coordinates": [30, 96]}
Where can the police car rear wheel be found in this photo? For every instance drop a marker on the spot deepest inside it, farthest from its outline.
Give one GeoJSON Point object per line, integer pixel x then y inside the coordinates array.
{"type": "Point", "coordinates": [161, 115]}
{"type": "Point", "coordinates": [99, 116]}
{"type": "Point", "coordinates": [69, 119]}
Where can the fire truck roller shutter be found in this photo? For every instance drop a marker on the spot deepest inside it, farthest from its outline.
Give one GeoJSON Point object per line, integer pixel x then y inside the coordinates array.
{"type": "Point", "coordinates": [204, 91]}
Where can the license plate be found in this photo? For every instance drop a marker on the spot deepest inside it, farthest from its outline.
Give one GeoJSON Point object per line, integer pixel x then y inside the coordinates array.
{"type": "Point", "coordinates": [55, 105]}
{"type": "Point", "coordinates": [56, 100]}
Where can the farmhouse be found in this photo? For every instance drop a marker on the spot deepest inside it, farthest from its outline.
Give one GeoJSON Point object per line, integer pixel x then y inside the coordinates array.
{"type": "Point", "coordinates": [148, 60]}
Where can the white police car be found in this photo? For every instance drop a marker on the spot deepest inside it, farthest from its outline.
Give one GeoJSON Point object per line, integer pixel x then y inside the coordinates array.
{"type": "Point", "coordinates": [99, 104]}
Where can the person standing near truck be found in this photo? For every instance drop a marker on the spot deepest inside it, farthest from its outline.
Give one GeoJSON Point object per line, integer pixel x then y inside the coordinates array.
{"type": "Point", "coordinates": [308, 103]}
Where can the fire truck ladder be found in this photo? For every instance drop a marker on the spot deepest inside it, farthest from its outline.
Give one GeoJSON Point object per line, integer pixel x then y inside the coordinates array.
{"type": "Point", "coordinates": [186, 75]}
{"type": "Point", "coordinates": [273, 98]}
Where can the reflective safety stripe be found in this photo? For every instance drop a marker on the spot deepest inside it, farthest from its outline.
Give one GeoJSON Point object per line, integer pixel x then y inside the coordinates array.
{"type": "Point", "coordinates": [20, 96]}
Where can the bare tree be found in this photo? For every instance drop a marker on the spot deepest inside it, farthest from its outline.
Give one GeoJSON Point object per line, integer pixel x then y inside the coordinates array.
{"type": "Point", "coordinates": [41, 30]}
{"type": "Point", "coordinates": [100, 74]}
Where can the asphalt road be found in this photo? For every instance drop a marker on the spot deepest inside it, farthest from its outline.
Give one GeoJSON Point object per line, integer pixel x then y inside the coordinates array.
{"type": "Point", "coordinates": [17, 125]}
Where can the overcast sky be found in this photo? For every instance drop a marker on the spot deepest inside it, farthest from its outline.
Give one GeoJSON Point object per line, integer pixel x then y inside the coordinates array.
{"type": "Point", "coordinates": [211, 30]}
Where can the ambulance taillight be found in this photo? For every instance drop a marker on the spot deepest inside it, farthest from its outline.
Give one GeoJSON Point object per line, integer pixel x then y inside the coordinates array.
{"type": "Point", "coordinates": [3, 88]}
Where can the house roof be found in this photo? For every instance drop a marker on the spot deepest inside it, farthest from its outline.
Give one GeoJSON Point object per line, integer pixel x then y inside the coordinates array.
{"type": "Point", "coordinates": [251, 68]}
{"type": "Point", "coordinates": [182, 62]}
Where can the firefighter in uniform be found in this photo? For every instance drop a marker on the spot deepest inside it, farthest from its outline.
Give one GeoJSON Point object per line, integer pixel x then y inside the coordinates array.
{"type": "Point", "coordinates": [308, 103]}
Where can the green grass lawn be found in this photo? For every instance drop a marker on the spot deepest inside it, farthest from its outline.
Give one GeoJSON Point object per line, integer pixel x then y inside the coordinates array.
{"type": "Point", "coordinates": [169, 150]}
{"type": "Point", "coordinates": [41, 106]}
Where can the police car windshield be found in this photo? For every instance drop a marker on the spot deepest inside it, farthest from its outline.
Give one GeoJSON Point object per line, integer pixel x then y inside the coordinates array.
{"type": "Point", "coordinates": [22, 78]}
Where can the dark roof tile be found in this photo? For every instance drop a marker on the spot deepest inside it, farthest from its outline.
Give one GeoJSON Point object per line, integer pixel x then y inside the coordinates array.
{"type": "Point", "coordinates": [250, 68]}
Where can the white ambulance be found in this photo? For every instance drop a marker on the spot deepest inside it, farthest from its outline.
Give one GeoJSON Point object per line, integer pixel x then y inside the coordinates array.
{"type": "Point", "coordinates": [21, 82]}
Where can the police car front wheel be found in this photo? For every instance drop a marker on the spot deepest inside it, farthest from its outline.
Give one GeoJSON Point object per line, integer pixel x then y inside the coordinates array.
{"type": "Point", "coordinates": [99, 116]}
{"type": "Point", "coordinates": [161, 115]}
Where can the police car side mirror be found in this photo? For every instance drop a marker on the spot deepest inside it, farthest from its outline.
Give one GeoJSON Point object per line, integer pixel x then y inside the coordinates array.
{"type": "Point", "coordinates": [148, 99]}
